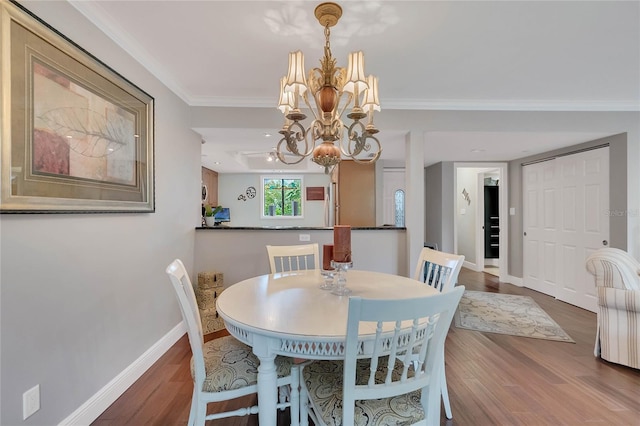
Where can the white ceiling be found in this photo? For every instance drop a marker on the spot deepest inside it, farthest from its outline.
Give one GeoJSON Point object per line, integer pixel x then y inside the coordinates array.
{"type": "Point", "coordinates": [433, 55]}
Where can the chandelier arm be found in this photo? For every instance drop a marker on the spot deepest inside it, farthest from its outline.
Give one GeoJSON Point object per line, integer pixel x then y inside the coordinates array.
{"type": "Point", "coordinates": [316, 131]}
{"type": "Point", "coordinates": [282, 158]}
{"type": "Point", "coordinates": [354, 138]}
{"type": "Point", "coordinates": [305, 97]}
{"type": "Point", "coordinates": [374, 158]}
{"type": "Point", "coordinates": [346, 104]}
{"type": "Point", "coordinates": [293, 135]}
{"type": "Point", "coordinates": [359, 142]}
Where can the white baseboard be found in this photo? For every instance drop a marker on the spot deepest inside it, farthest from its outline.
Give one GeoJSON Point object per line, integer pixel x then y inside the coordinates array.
{"type": "Point", "coordinates": [492, 262]}
{"type": "Point", "coordinates": [98, 403]}
{"type": "Point", "coordinates": [513, 280]}
{"type": "Point", "coordinates": [472, 266]}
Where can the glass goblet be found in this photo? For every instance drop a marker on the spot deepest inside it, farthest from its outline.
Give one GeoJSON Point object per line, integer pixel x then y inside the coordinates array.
{"type": "Point", "coordinates": [340, 285]}
{"type": "Point", "coordinates": [327, 276]}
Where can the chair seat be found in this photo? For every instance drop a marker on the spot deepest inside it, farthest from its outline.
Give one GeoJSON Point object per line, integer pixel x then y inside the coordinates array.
{"type": "Point", "coordinates": [324, 383]}
{"type": "Point", "coordinates": [230, 364]}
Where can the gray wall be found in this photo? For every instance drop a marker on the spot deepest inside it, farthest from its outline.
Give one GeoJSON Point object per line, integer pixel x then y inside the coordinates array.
{"type": "Point", "coordinates": [85, 295]}
{"type": "Point", "coordinates": [437, 188]}
{"type": "Point", "coordinates": [617, 195]}
{"type": "Point", "coordinates": [467, 179]}
{"type": "Point", "coordinates": [440, 205]}
{"type": "Point", "coordinates": [244, 253]}
{"type": "Point", "coordinates": [433, 204]}
{"type": "Point", "coordinates": [247, 212]}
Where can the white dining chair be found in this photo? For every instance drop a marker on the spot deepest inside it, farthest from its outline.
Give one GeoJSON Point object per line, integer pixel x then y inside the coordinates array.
{"type": "Point", "coordinates": [293, 258]}
{"type": "Point", "coordinates": [225, 368]}
{"type": "Point", "coordinates": [440, 270]}
{"type": "Point", "coordinates": [377, 384]}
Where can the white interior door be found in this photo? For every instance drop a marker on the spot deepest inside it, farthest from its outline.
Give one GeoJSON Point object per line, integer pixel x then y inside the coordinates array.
{"type": "Point", "coordinates": [540, 224]}
{"type": "Point", "coordinates": [393, 180]}
{"type": "Point", "coordinates": [584, 188]}
{"type": "Point", "coordinates": [565, 204]}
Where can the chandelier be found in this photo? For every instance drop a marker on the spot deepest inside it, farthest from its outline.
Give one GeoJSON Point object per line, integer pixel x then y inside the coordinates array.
{"type": "Point", "coordinates": [333, 89]}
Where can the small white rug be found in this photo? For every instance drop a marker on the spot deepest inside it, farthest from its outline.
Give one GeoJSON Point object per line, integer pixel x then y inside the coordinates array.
{"type": "Point", "coordinates": [507, 314]}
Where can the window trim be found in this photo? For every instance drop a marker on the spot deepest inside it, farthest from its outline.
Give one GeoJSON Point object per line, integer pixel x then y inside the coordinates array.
{"type": "Point", "coordinates": [281, 177]}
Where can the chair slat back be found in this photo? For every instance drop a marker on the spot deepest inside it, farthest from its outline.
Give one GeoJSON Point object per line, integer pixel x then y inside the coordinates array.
{"type": "Point", "coordinates": [293, 258]}
{"type": "Point", "coordinates": [404, 327]}
{"type": "Point", "coordinates": [438, 269]}
{"type": "Point", "coordinates": [190, 314]}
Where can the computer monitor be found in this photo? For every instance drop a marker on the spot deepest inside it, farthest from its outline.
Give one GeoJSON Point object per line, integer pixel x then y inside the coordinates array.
{"type": "Point", "coordinates": [223, 215]}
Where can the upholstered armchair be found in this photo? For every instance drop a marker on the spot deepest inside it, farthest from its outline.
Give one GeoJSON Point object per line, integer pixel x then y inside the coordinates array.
{"type": "Point", "coordinates": [618, 287]}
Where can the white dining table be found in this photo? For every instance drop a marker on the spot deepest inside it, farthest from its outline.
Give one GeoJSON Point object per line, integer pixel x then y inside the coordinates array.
{"type": "Point", "coordinates": [288, 314]}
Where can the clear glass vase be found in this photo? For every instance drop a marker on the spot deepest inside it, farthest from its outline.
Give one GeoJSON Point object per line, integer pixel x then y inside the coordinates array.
{"type": "Point", "coordinates": [340, 284]}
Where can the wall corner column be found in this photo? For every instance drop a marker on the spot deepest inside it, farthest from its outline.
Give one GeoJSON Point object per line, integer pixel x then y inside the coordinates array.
{"type": "Point", "coordinates": [414, 201]}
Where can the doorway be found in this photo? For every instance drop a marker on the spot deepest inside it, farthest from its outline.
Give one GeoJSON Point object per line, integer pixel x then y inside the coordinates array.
{"type": "Point", "coordinates": [469, 222]}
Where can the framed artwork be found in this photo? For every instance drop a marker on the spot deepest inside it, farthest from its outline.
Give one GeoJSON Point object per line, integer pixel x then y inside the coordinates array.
{"type": "Point", "coordinates": [315, 193]}
{"type": "Point", "coordinates": [76, 137]}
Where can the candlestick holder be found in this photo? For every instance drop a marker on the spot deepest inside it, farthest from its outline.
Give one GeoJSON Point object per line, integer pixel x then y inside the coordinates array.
{"type": "Point", "coordinates": [340, 284]}
{"type": "Point", "coordinates": [327, 276]}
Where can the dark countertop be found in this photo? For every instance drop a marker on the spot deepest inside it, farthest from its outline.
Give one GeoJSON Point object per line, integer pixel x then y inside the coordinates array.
{"type": "Point", "coordinates": [299, 228]}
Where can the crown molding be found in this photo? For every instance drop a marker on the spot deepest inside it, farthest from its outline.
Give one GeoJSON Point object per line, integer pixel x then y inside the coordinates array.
{"type": "Point", "coordinates": [94, 13]}
{"type": "Point", "coordinates": [444, 105]}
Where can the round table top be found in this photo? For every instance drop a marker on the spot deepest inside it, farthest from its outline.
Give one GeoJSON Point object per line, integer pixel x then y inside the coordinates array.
{"type": "Point", "coordinates": [292, 303]}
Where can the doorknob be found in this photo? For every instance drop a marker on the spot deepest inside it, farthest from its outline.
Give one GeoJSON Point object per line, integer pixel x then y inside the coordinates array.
{"type": "Point", "coordinates": [605, 242]}
{"type": "Point", "coordinates": [525, 233]}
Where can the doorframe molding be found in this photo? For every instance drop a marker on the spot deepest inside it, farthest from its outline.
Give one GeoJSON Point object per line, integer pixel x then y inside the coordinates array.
{"type": "Point", "coordinates": [503, 169]}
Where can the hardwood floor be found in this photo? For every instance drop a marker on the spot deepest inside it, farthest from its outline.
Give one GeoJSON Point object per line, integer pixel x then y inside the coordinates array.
{"type": "Point", "coordinates": [493, 379]}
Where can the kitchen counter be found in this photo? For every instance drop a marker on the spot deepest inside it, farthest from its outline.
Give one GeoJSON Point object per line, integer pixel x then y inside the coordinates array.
{"type": "Point", "coordinates": [240, 251]}
{"type": "Point", "coordinates": [300, 228]}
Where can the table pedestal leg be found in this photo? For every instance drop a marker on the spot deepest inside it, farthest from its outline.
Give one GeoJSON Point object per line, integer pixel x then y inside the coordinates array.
{"type": "Point", "coordinates": [267, 391]}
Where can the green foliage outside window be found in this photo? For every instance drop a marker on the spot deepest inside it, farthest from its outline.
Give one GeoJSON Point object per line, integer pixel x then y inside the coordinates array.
{"type": "Point", "coordinates": [282, 197]}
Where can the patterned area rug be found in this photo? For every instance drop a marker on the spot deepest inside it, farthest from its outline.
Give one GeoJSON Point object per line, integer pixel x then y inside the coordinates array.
{"type": "Point", "coordinates": [507, 314]}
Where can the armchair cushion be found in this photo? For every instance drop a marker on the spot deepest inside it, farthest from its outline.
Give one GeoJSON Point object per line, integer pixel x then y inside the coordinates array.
{"type": "Point", "coordinates": [615, 298]}
{"type": "Point", "coordinates": [618, 290]}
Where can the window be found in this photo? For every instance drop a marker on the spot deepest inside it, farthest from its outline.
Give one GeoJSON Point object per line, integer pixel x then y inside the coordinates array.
{"type": "Point", "coordinates": [399, 202]}
{"type": "Point", "coordinates": [281, 197]}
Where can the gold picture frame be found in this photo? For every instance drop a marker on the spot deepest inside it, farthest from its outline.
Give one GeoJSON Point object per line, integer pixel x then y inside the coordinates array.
{"type": "Point", "coordinates": [76, 136]}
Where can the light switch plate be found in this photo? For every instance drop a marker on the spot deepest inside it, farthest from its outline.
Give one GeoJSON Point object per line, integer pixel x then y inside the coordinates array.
{"type": "Point", "coordinates": [305, 237]}
{"type": "Point", "coordinates": [30, 402]}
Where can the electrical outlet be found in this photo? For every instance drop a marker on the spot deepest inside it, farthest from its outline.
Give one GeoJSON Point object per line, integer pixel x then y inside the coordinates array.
{"type": "Point", "coordinates": [305, 237]}
{"type": "Point", "coordinates": [30, 401]}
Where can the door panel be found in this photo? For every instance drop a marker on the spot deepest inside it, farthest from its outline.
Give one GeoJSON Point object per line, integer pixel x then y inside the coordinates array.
{"type": "Point", "coordinates": [540, 227]}
{"type": "Point", "coordinates": [571, 195]}
{"type": "Point", "coordinates": [586, 226]}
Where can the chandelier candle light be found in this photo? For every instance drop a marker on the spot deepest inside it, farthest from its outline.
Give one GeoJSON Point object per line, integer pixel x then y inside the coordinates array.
{"type": "Point", "coordinates": [333, 89]}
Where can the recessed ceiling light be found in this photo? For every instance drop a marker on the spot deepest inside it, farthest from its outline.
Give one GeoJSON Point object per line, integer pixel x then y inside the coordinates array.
{"type": "Point", "coordinates": [216, 162]}
{"type": "Point", "coordinates": [267, 135]}
{"type": "Point", "coordinates": [477, 150]}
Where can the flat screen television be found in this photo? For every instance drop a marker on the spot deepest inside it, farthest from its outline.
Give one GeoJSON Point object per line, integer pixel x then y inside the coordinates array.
{"type": "Point", "coordinates": [223, 215]}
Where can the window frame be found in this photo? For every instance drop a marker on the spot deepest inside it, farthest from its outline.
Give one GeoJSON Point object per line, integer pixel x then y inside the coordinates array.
{"type": "Point", "coordinates": [281, 177]}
